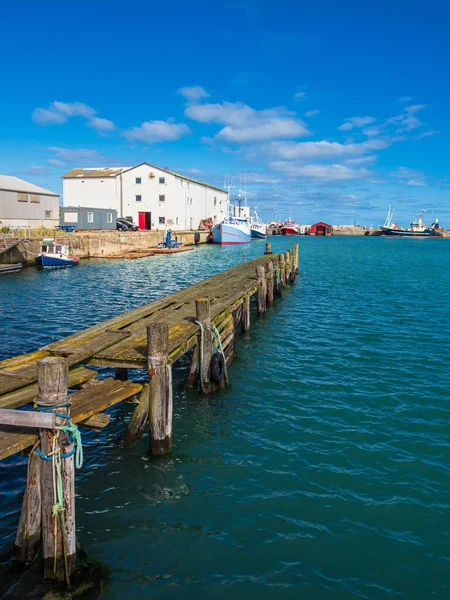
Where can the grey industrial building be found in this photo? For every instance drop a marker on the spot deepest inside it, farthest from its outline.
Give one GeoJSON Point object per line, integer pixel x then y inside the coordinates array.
{"type": "Point", "coordinates": [88, 218]}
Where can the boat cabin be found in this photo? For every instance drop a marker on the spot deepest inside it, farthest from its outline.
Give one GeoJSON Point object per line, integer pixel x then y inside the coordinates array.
{"type": "Point", "coordinates": [321, 228]}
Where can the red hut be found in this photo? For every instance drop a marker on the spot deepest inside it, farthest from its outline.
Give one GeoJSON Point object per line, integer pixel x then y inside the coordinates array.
{"type": "Point", "coordinates": [321, 228]}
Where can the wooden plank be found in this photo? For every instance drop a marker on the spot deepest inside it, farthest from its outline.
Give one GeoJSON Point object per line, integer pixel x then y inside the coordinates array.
{"type": "Point", "coordinates": [97, 421]}
{"type": "Point", "coordinates": [27, 418]}
{"type": "Point", "coordinates": [85, 403]}
{"type": "Point", "coordinates": [29, 393]}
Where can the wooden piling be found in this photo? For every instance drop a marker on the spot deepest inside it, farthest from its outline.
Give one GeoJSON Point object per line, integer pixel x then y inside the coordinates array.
{"type": "Point", "coordinates": [160, 387]}
{"type": "Point", "coordinates": [245, 323]}
{"type": "Point", "coordinates": [295, 253]}
{"type": "Point", "coordinates": [282, 267]}
{"type": "Point", "coordinates": [194, 368]}
{"type": "Point", "coordinates": [58, 532]}
{"type": "Point", "coordinates": [270, 282]}
{"type": "Point", "coordinates": [287, 267]}
{"type": "Point", "coordinates": [28, 537]}
{"type": "Point", "coordinates": [203, 315]}
{"type": "Point", "coordinates": [139, 418]}
{"type": "Point", "coordinates": [268, 248]}
{"type": "Point", "coordinates": [262, 291]}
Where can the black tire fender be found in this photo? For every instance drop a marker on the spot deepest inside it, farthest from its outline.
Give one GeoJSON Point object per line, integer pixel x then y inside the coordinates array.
{"type": "Point", "coordinates": [197, 237]}
{"type": "Point", "coordinates": [217, 367]}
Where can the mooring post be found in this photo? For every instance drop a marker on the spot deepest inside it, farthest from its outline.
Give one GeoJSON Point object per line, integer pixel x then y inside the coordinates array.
{"type": "Point", "coordinates": [160, 384]}
{"type": "Point", "coordinates": [262, 291]}
{"type": "Point", "coordinates": [203, 316]}
{"type": "Point", "coordinates": [287, 266]}
{"type": "Point", "coordinates": [270, 282]}
{"type": "Point", "coordinates": [245, 323]}
{"type": "Point", "coordinates": [282, 269]}
{"type": "Point", "coordinates": [139, 418]}
{"type": "Point", "coordinates": [295, 252]}
{"type": "Point", "coordinates": [28, 537]}
{"type": "Point", "coordinates": [194, 368]}
{"type": "Point", "coordinates": [268, 248]}
{"type": "Point", "coordinates": [121, 374]}
{"type": "Point", "coordinates": [57, 474]}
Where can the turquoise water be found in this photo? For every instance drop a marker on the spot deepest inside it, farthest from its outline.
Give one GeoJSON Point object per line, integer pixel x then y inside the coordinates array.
{"type": "Point", "coordinates": [324, 472]}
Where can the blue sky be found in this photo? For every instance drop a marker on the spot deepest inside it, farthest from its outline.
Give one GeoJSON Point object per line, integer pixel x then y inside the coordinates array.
{"type": "Point", "coordinates": [332, 109]}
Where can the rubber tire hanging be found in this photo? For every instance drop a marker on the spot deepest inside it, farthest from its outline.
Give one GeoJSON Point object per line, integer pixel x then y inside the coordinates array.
{"type": "Point", "coordinates": [217, 367]}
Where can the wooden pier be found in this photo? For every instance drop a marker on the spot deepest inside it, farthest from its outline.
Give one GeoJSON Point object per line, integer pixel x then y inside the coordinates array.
{"type": "Point", "coordinates": [61, 378]}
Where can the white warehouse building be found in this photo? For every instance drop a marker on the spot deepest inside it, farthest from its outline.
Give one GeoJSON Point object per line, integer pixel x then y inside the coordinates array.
{"type": "Point", "coordinates": [150, 196]}
{"type": "Point", "coordinates": [24, 204]}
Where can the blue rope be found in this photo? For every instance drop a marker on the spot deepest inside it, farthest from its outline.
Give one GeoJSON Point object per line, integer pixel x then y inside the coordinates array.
{"type": "Point", "coordinates": [217, 347]}
{"type": "Point", "coordinates": [73, 435]}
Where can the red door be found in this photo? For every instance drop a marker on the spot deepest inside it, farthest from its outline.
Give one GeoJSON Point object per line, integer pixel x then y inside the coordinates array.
{"type": "Point", "coordinates": [141, 220]}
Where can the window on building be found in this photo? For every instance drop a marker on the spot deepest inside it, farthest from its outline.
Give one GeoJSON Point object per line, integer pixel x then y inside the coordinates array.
{"type": "Point", "coordinates": [162, 180]}
{"type": "Point", "coordinates": [162, 220]}
{"type": "Point", "coordinates": [189, 201]}
{"type": "Point", "coordinates": [215, 201]}
{"type": "Point", "coordinates": [70, 217]}
{"type": "Point", "coordinates": [177, 220]}
{"type": "Point", "coordinates": [109, 217]}
{"type": "Point", "coordinates": [90, 217]}
{"type": "Point", "coordinates": [138, 198]}
{"type": "Point", "coordinates": [138, 180]}
{"type": "Point", "coordinates": [34, 198]}
{"type": "Point", "coordinates": [48, 214]}
{"type": "Point", "coordinates": [162, 198]}
{"type": "Point", "coordinates": [182, 183]}
{"type": "Point", "coordinates": [189, 184]}
{"type": "Point", "coordinates": [21, 197]}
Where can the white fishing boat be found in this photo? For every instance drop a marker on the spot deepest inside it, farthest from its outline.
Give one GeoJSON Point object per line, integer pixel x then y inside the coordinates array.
{"type": "Point", "coordinates": [418, 228]}
{"type": "Point", "coordinates": [235, 227]}
{"type": "Point", "coordinates": [257, 228]}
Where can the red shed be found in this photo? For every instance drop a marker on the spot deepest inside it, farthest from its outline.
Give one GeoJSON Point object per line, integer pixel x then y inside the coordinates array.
{"type": "Point", "coordinates": [321, 228]}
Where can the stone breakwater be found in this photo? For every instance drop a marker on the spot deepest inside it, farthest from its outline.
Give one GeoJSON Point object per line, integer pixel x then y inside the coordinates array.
{"type": "Point", "coordinates": [100, 244]}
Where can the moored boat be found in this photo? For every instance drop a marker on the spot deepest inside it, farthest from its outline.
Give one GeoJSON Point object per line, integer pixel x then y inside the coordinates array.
{"type": "Point", "coordinates": [5, 269]}
{"type": "Point", "coordinates": [234, 228]}
{"type": "Point", "coordinates": [258, 228]}
{"type": "Point", "coordinates": [54, 255]}
{"type": "Point", "coordinates": [418, 228]}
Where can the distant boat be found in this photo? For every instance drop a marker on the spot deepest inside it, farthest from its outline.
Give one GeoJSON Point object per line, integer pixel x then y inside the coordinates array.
{"type": "Point", "coordinates": [289, 227]}
{"type": "Point", "coordinates": [54, 255]}
{"type": "Point", "coordinates": [257, 228]}
{"type": "Point", "coordinates": [5, 269]}
{"type": "Point", "coordinates": [418, 228]}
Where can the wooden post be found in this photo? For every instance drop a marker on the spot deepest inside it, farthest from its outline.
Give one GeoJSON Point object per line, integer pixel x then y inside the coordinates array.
{"type": "Point", "coordinates": [194, 368]}
{"type": "Point", "coordinates": [139, 418]}
{"type": "Point", "coordinates": [287, 266]}
{"type": "Point", "coordinates": [268, 248]}
{"type": "Point", "coordinates": [58, 550]}
{"type": "Point", "coordinates": [270, 282]}
{"type": "Point", "coordinates": [121, 374]}
{"type": "Point", "coordinates": [203, 315]}
{"type": "Point", "coordinates": [245, 323]}
{"type": "Point", "coordinates": [160, 384]}
{"type": "Point", "coordinates": [295, 253]}
{"type": "Point", "coordinates": [282, 269]}
{"type": "Point", "coordinates": [28, 538]}
{"type": "Point", "coordinates": [262, 291]}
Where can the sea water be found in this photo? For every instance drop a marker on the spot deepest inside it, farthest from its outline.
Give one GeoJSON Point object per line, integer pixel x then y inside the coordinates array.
{"type": "Point", "coordinates": [322, 472]}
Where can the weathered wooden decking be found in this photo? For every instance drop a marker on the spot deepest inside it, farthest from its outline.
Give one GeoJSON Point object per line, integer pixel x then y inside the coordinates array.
{"type": "Point", "coordinates": [121, 342]}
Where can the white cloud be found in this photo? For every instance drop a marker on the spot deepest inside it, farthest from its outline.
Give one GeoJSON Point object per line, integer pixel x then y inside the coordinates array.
{"type": "Point", "coordinates": [405, 99]}
{"type": "Point", "coordinates": [299, 95]}
{"type": "Point", "coordinates": [76, 155]}
{"type": "Point", "coordinates": [323, 172]}
{"type": "Point", "coordinates": [243, 124]}
{"type": "Point", "coordinates": [426, 134]}
{"type": "Point", "coordinates": [312, 113]}
{"type": "Point", "coordinates": [414, 108]}
{"type": "Point", "coordinates": [36, 171]}
{"type": "Point", "coordinates": [55, 162]}
{"type": "Point", "coordinates": [193, 93]}
{"type": "Point", "coordinates": [59, 113]}
{"type": "Point", "coordinates": [151, 132]}
{"type": "Point", "coordinates": [416, 182]}
{"type": "Point", "coordinates": [322, 149]}
{"type": "Point", "coordinates": [102, 125]}
{"type": "Point", "coordinates": [356, 122]}
{"type": "Point", "coordinates": [362, 160]}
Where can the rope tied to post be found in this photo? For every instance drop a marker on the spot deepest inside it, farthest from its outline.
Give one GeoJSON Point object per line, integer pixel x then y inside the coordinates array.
{"type": "Point", "coordinates": [217, 345]}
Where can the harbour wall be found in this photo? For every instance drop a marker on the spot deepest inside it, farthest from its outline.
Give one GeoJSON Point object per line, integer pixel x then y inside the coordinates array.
{"type": "Point", "coordinates": [99, 244]}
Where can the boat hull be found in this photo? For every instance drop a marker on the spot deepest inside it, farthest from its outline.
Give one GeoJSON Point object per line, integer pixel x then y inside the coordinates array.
{"type": "Point", "coordinates": [256, 234]}
{"type": "Point", "coordinates": [388, 231]}
{"type": "Point", "coordinates": [225, 233]}
{"type": "Point", "coordinates": [288, 231]}
{"type": "Point", "coordinates": [53, 262]}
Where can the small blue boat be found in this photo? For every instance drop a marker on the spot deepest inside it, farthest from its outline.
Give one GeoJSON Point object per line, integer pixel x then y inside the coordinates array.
{"type": "Point", "coordinates": [54, 255]}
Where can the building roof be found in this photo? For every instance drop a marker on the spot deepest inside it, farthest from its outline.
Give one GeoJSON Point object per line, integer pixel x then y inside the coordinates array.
{"type": "Point", "coordinates": [14, 184]}
{"type": "Point", "coordinates": [101, 172]}
{"type": "Point", "coordinates": [114, 171]}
